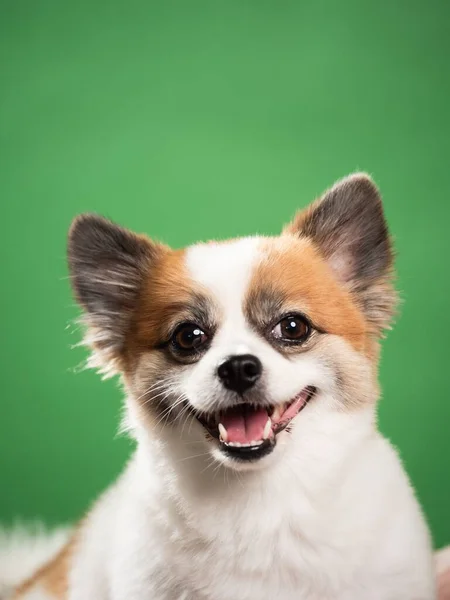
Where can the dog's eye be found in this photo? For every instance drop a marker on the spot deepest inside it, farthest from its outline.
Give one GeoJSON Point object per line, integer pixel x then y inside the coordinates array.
{"type": "Point", "coordinates": [293, 328]}
{"type": "Point", "coordinates": [188, 337]}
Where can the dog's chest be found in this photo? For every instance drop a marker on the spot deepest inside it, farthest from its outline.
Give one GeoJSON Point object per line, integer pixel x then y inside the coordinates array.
{"type": "Point", "coordinates": [257, 567]}
{"type": "Point", "coordinates": [256, 552]}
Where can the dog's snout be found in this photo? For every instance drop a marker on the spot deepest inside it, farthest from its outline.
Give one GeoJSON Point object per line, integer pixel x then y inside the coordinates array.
{"type": "Point", "coordinates": [240, 372]}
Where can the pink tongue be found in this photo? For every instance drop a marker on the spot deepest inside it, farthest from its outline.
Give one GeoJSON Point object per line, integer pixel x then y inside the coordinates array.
{"type": "Point", "coordinates": [295, 407]}
{"type": "Point", "coordinates": [245, 424]}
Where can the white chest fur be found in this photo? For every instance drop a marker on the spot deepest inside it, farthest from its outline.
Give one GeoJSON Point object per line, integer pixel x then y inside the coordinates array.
{"type": "Point", "coordinates": [346, 529]}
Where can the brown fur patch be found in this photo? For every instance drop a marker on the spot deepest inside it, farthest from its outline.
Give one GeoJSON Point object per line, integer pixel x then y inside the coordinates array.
{"type": "Point", "coordinates": [294, 275]}
{"type": "Point", "coordinates": [53, 577]}
{"type": "Point", "coordinates": [168, 296]}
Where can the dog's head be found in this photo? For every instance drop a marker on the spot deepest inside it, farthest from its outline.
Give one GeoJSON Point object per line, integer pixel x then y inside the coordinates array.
{"type": "Point", "coordinates": [238, 341]}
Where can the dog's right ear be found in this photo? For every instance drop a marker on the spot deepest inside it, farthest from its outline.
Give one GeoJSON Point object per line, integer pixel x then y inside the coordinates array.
{"type": "Point", "coordinates": [348, 227]}
{"type": "Point", "coordinates": [107, 265]}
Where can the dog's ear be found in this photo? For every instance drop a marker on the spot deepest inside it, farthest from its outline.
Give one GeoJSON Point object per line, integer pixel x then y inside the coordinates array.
{"type": "Point", "coordinates": [348, 227]}
{"type": "Point", "coordinates": [107, 265]}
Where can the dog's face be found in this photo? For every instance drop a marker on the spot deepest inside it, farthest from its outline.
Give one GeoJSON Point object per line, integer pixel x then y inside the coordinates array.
{"type": "Point", "coordinates": [236, 341]}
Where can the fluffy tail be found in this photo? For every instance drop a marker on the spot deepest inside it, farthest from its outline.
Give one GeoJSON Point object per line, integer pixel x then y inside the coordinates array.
{"type": "Point", "coordinates": [24, 549]}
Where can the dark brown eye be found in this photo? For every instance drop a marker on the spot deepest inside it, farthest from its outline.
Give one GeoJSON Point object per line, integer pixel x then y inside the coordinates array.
{"type": "Point", "coordinates": [188, 337]}
{"type": "Point", "coordinates": [294, 328]}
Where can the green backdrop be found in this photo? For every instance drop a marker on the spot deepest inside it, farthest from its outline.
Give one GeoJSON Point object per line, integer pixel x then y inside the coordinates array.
{"type": "Point", "coordinates": [210, 119]}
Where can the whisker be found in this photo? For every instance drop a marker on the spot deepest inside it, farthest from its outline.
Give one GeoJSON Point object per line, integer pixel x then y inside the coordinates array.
{"type": "Point", "coordinates": [193, 456]}
{"type": "Point", "coordinates": [154, 387]}
{"type": "Point", "coordinates": [166, 413]}
{"type": "Point", "coordinates": [209, 465]}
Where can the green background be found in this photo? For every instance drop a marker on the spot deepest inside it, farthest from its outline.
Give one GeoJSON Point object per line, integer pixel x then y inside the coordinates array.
{"type": "Point", "coordinates": [191, 120]}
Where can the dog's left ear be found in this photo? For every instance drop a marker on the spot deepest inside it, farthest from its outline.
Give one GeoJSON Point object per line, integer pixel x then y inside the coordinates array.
{"type": "Point", "coordinates": [348, 227]}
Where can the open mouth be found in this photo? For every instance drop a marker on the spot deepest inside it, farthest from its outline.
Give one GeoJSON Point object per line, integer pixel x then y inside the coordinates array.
{"type": "Point", "coordinates": [248, 431]}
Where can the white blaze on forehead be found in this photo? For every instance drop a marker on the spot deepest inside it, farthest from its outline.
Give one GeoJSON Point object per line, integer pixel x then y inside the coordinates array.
{"type": "Point", "coordinates": [225, 270]}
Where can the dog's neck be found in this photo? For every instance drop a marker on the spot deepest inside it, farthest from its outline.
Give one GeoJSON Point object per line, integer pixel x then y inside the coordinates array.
{"type": "Point", "coordinates": [193, 479]}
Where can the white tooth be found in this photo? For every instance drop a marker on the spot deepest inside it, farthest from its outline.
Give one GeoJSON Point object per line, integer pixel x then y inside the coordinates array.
{"type": "Point", "coordinates": [247, 445]}
{"type": "Point", "coordinates": [276, 413]}
{"type": "Point", "coordinates": [267, 429]}
{"type": "Point", "coordinates": [223, 433]}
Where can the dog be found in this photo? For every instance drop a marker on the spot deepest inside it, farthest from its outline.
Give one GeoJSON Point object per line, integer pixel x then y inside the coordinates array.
{"type": "Point", "coordinates": [250, 374]}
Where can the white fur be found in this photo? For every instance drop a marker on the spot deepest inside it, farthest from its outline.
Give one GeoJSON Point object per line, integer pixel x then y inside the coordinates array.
{"type": "Point", "coordinates": [38, 593]}
{"type": "Point", "coordinates": [329, 515]}
{"type": "Point", "coordinates": [442, 558]}
{"type": "Point", "coordinates": [335, 519]}
{"type": "Point", "coordinates": [23, 549]}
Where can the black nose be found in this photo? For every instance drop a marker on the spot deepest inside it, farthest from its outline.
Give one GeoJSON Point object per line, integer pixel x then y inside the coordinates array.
{"type": "Point", "coordinates": [239, 373]}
